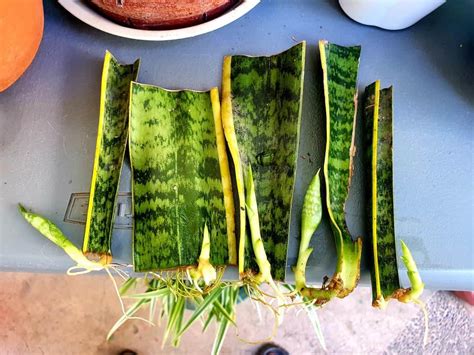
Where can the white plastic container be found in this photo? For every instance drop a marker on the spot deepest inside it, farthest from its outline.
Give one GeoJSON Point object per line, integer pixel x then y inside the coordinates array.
{"type": "Point", "coordinates": [389, 14]}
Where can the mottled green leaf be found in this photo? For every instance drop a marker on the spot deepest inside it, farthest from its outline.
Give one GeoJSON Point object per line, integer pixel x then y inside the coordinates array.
{"type": "Point", "coordinates": [176, 178]}
{"type": "Point", "coordinates": [109, 153]}
{"type": "Point", "coordinates": [378, 115]}
{"type": "Point", "coordinates": [340, 65]}
{"type": "Point", "coordinates": [261, 111]}
{"type": "Point", "coordinates": [310, 219]}
{"type": "Point", "coordinates": [378, 129]}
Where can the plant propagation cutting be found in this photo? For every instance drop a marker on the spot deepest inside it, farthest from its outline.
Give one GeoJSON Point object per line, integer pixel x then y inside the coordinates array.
{"type": "Point", "coordinates": [213, 184]}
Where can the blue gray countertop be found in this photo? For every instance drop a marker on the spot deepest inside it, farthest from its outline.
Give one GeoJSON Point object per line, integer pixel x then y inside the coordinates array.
{"type": "Point", "coordinates": [49, 122]}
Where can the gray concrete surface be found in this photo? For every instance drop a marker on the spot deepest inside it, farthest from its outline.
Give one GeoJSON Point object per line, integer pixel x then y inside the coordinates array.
{"type": "Point", "coordinates": [57, 314]}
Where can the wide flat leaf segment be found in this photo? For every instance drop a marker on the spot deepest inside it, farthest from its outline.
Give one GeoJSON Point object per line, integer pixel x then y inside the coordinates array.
{"type": "Point", "coordinates": [177, 185]}
{"type": "Point", "coordinates": [262, 99]}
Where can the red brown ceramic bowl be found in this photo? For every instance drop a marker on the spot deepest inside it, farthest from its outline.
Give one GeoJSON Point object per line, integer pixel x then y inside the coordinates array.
{"type": "Point", "coordinates": [161, 14]}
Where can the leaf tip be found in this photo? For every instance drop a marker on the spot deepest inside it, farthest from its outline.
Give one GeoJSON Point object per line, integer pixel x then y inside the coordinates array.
{"type": "Point", "coordinates": [22, 209]}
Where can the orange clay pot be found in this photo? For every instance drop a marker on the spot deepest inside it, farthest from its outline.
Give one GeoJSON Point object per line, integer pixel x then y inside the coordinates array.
{"type": "Point", "coordinates": [21, 30]}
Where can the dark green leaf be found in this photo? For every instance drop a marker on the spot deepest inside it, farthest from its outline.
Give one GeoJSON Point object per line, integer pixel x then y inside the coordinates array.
{"type": "Point", "coordinates": [176, 186]}
{"type": "Point", "coordinates": [340, 66]}
{"type": "Point", "coordinates": [261, 113]}
{"type": "Point", "coordinates": [110, 150]}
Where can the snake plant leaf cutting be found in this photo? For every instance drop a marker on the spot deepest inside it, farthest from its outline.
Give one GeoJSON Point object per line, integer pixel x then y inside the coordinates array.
{"type": "Point", "coordinates": [177, 187]}
{"type": "Point", "coordinates": [310, 220]}
{"type": "Point", "coordinates": [109, 154]}
{"type": "Point", "coordinates": [261, 113]}
{"type": "Point", "coordinates": [340, 65]}
{"type": "Point", "coordinates": [54, 234]}
{"type": "Point", "coordinates": [225, 167]}
{"type": "Point", "coordinates": [258, 248]}
{"type": "Point", "coordinates": [378, 117]}
{"type": "Point", "coordinates": [204, 270]}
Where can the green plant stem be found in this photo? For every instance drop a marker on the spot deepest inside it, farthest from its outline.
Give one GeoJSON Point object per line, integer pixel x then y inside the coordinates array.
{"type": "Point", "coordinates": [257, 242]}
{"type": "Point", "coordinates": [417, 285]}
{"type": "Point", "coordinates": [265, 269]}
{"type": "Point", "coordinates": [264, 266]}
{"type": "Point", "coordinates": [54, 234]}
{"type": "Point", "coordinates": [204, 270]}
{"type": "Point", "coordinates": [310, 220]}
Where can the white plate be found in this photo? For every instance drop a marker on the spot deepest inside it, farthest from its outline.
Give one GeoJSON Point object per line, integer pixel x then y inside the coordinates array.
{"type": "Point", "coordinates": [83, 12]}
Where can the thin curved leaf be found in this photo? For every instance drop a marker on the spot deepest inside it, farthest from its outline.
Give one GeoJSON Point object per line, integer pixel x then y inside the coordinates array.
{"type": "Point", "coordinates": [206, 304]}
{"type": "Point", "coordinates": [222, 311]}
{"type": "Point", "coordinates": [221, 333]}
{"type": "Point", "coordinates": [129, 313]}
{"type": "Point", "coordinates": [131, 281]}
{"type": "Point", "coordinates": [313, 317]}
{"type": "Point", "coordinates": [152, 294]}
